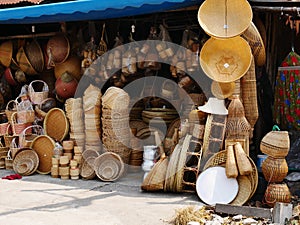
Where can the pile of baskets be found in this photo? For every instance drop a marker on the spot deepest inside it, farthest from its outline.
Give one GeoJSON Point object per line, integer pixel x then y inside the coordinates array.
{"type": "Point", "coordinates": [92, 109]}
{"type": "Point", "coordinates": [275, 145]}
{"type": "Point", "coordinates": [74, 113]}
{"type": "Point", "coordinates": [115, 122]}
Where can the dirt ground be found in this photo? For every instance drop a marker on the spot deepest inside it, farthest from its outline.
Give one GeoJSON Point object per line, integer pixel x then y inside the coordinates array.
{"type": "Point", "coordinates": [42, 200]}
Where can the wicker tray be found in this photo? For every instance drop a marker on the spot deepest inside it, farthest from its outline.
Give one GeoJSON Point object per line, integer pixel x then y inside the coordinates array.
{"type": "Point", "coordinates": [43, 145]}
{"type": "Point", "coordinates": [26, 162]}
{"type": "Point", "coordinates": [56, 124]}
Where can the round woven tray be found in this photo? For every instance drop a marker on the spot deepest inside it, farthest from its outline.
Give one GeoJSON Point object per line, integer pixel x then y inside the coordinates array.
{"type": "Point", "coordinates": [219, 159]}
{"type": "Point", "coordinates": [87, 172]}
{"type": "Point", "coordinates": [109, 166]}
{"type": "Point", "coordinates": [43, 145]}
{"type": "Point", "coordinates": [56, 124]}
{"type": "Point", "coordinates": [26, 162]}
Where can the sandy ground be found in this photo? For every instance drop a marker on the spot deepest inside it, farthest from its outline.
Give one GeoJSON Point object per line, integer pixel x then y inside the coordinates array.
{"type": "Point", "coordinates": [42, 200]}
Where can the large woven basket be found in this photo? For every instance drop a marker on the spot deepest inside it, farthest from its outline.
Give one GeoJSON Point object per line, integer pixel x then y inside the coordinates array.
{"type": "Point", "coordinates": [24, 62]}
{"type": "Point", "coordinates": [44, 145]}
{"type": "Point", "coordinates": [277, 193]}
{"type": "Point", "coordinates": [274, 169]}
{"type": "Point", "coordinates": [10, 109]}
{"type": "Point", "coordinates": [56, 124]}
{"type": "Point", "coordinates": [275, 144]}
{"type": "Point", "coordinates": [109, 166]}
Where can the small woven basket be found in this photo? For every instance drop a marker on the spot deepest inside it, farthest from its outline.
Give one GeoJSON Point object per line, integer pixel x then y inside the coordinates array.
{"type": "Point", "coordinates": [87, 172]}
{"type": "Point", "coordinates": [275, 144]}
{"type": "Point", "coordinates": [10, 109]}
{"type": "Point", "coordinates": [37, 97]}
{"type": "Point", "coordinates": [274, 169]}
{"type": "Point", "coordinates": [18, 127]}
{"type": "Point", "coordinates": [277, 193]}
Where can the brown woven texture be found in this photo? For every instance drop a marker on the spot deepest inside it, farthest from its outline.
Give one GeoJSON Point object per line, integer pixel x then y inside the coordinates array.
{"type": "Point", "coordinates": [6, 52]}
{"type": "Point", "coordinates": [35, 55]}
{"type": "Point", "coordinates": [253, 37]}
{"type": "Point", "coordinates": [277, 193]}
{"type": "Point", "coordinates": [87, 172]}
{"type": "Point", "coordinates": [38, 96]}
{"type": "Point", "coordinates": [225, 60]}
{"type": "Point", "coordinates": [24, 63]}
{"type": "Point", "coordinates": [222, 90]}
{"type": "Point", "coordinates": [212, 15]}
{"type": "Point", "coordinates": [275, 144]}
{"type": "Point", "coordinates": [274, 169]}
{"type": "Point", "coordinates": [244, 191]}
{"type": "Point", "coordinates": [109, 166]}
{"type": "Point", "coordinates": [56, 124]}
{"type": "Point", "coordinates": [18, 128]}
{"type": "Point", "coordinates": [155, 179]}
{"type": "Point", "coordinates": [43, 145]}
{"type": "Point", "coordinates": [26, 162]}
{"type": "Point", "coordinates": [249, 95]}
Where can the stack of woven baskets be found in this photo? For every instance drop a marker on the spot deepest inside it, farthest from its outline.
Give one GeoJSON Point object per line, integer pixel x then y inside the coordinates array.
{"type": "Point", "coordinates": [275, 145]}
{"type": "Point", "coordinates": [92, 109]}
{"type": "Point", "coordinates": [74, 113]}
{"type": "Point", "coordinates": [115, 122]}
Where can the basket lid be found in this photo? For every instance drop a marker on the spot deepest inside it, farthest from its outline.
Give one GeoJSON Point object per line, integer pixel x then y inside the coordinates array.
{"type": "Point", "coordinates": [43, 145]}
{"type": "Point", "coordinates": [225, 19]}
{"type": "Point", "coordinates": [56, 124]}
{"type": "Point", "coordinates": [225, 60]}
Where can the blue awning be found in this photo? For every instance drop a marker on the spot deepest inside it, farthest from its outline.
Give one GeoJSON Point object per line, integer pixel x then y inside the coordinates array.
{"type": "Point", "coordinates": [80, 10]}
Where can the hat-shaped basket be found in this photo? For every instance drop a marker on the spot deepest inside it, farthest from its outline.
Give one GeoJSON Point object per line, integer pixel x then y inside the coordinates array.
{"type": "Point", "coordinates": [57, 49]}
{"type": "Point", "coordinates": [109, 166]}
{"type": "Point", "coordinates": [222, 90]}
{"type": "Point", "coordinates": [224, 18]}
{"type": "Point", "coordinates": [35, 55]}
{"type": "Point", "coordinates": [24, 62]}
{"type": "Point", "coordinates": [225, 60]}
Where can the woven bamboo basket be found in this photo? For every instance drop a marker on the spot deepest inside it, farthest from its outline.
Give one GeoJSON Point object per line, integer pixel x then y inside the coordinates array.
{"type": "Point", "coordinates": [274, 169]}
{"type": "Point", "coordinates": [14, 146]}
{"type": "Point", "coordinates": [124, 153]}
{"type": "Point", "coordinates": [249, 95]}
{"type": "Point", "coordinates": [8, 161]}
{"type": "Point", "coordinates": [17, 128]}
{"type": "Point", "coordinates": [4, 123]}
{"type": "Point", "coordinates": [109, 166]}
{"type": "Point", "coordinates": [56, 124]}
{"type": "Point", "coordinates": [43, 145]}
{"type": "Point", "coordinates": [10, 109]}
{"type": "Point", "coordinates": [8, 136]}
{"type": "Point", "coordinates": [244, 191]}
{"type": "Point", "coordinates": [87, 172]}
{"type": "Point", "coordinates": [25, 139]}
{"type": "Point", "coordinates": [275, 144]}
{"type": "Point", "coordinates": [26, 162]}
{"type": "Point", "coordinates": [277, 193]}
{"type": "Point", "coordinates": [38, 96]}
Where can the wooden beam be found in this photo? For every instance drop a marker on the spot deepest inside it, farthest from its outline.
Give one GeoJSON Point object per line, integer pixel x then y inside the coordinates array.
{"type": "Point", "coordinates": [244, 210]}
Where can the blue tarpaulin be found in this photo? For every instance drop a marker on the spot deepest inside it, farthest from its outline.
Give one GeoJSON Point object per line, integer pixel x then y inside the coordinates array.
{"type": "Point", "coordinates": [88, 10]}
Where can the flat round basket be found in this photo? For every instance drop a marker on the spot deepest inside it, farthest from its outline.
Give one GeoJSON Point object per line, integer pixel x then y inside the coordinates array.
{"type": "Point", "coordinates": [87, 171]}
{"type": "Point", "coordinates": [219, 159]}
{"type": "Point", "coordinates": [43, 145]}
{"type": "Point", "coordinates": [56, 124]}
{"type": "Point", "coordinates": [26, 162]}
{"type": "Point", "coordinates": [109, 166]}
{"type": "Point", "coordinates": [224, 19]}
{"type": "Point", "coordinates": [225, 60]}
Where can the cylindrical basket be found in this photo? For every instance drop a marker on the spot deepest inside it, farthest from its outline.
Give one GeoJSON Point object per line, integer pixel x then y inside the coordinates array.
{"type": "Point", "coordinates": [274, 169]}
{"type": "Point", "coordinates": [10, 109]}
{"type": "Point", "coordinates": [18, 127]}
